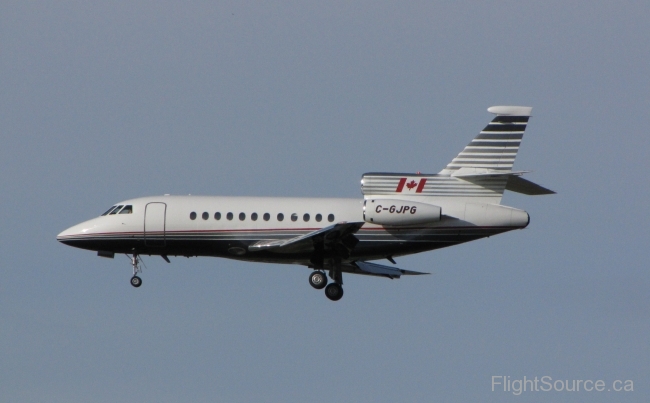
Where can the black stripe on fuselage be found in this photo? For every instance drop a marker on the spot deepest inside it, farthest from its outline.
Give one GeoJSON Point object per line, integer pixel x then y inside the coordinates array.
{"type": "Point", "coordinates": [372, 243]}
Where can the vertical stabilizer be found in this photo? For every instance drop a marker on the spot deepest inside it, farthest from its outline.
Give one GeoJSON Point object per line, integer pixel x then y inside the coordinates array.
{"type": "Point", "coordinates": [479, 174]}
{"type": "Point", "coordinates": [496, 146]}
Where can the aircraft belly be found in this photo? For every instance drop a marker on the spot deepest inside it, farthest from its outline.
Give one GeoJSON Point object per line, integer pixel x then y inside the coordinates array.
{"type": "Point", "coordinates": [373, 243]}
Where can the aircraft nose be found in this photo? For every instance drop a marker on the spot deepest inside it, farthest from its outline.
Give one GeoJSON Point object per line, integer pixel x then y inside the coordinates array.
{"type": "Point", "coordinates": [66, 235]}
{"type": "Point", "coordinates": [74, 233]}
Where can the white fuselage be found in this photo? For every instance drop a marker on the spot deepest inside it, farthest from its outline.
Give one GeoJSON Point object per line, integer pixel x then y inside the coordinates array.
{"type": "Point", "coordinates": [227, 226]}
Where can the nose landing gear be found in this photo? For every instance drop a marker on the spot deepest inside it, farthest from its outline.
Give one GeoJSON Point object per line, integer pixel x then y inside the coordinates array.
{"type": "Point", "coordinates": [135, 262]}
{"type": "Point", "coordinates": [136, 281]}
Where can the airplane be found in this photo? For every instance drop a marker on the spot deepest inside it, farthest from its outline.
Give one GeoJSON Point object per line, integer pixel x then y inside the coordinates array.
{"type": "Point", "coordinates": [399, 214]}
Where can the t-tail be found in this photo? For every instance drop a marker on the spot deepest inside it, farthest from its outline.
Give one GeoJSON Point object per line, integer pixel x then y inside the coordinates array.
{"type": "Point", "coordinates": [479, 174]}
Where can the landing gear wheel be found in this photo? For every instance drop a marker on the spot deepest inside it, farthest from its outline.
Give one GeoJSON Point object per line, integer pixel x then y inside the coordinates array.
{"type": "Point", "coordinates": [318, 280]}
{"type": "Point", "coordinates": [334, 291]}
{"type": "Point", "coordinates": [136, 281]}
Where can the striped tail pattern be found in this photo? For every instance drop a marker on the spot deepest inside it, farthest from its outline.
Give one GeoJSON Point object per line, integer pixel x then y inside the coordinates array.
{"type": "Point", "coordinates": [482, 170]}
{"type": "Point", "coordinates": [496, 146]}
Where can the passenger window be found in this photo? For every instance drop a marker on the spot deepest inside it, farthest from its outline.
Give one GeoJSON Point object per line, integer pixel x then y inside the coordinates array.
{"type": "Point", "coordinates": [294, 217]}
{"type": "Point", "coordinates": [109, 210]}
{"type": "Point", "coordinates": [305, 217]}
{"type": "Point", "coordinates": [330, 217]}
{"type": "Point", "coordinates": [116, 209]}
{"type": "Point", "coordinates": [192, 216]}
{"type": "Point", "coordinates": [242, 216]}
{"type": "Point", "coordinates": [205, 215]}
{"type": "Point", "coordinates": [217, 216]}
{"type": "Point", "coordinates": [229, 216]}
{"type": "Point", "coordinates": [254, 216]}
{"type": "Point", "coordinates": [319, 217]}
{"type": "Point", "coordinates": [127, 210]}
{"type": "Point", "coordinates": [267, 216]}
{"type": "Point", "coordinates": [280, 216]}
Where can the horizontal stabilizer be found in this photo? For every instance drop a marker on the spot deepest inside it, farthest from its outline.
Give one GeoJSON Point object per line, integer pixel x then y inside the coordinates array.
{"type": "Point", "coordinates": [374, 269]}
{"type": "Point", "coordinates": [478, 172]}
{"type": "Point", "coordinates": [524, 186]}
{"type": "Point", "coordinates": [514, 183]}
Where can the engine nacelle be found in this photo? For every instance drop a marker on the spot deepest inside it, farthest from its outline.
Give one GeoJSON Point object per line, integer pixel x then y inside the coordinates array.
{"type": "Point", "coordinates": [399, 212]}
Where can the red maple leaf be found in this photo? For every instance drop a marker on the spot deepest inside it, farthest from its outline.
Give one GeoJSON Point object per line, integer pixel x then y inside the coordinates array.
{"type": "Point", "coordinates": [411, 184]}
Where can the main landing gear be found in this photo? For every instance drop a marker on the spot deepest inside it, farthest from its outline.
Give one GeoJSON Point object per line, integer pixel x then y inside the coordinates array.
{"type": "Point", "coordinates": [333, 291]}
{"type": "Point", "coordinates": [318, 280]}
{"type": "Point", "coordinates": [135, 262]}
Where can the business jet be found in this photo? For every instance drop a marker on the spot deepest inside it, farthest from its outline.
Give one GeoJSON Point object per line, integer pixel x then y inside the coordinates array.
{"type": "Point", "coordinates": [400, 214]}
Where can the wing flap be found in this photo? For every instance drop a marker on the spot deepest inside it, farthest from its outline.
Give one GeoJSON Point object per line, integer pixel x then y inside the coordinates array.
{"type": "Point", "coordinates": [327, 237]}
{"type": "Point", "coordinates": [374, 269]}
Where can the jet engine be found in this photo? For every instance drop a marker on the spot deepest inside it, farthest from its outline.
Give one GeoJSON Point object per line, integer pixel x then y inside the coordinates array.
{"type": "Point", "coordinates": [399, 212]}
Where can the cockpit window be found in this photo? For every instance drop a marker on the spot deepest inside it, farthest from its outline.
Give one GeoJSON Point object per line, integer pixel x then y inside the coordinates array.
{"type": "Point", "coordinates": [109, 210]}
{"type": "Point", "coordinates": [118, 208]}
{"type": "Point", "coordinates": [127, 209]}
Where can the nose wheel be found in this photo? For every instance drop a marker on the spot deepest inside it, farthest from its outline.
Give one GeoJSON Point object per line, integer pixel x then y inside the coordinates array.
{"type": "Point", "coordinates": [135, 263]}
{"type": "Point", "coordinates": [136, 281]}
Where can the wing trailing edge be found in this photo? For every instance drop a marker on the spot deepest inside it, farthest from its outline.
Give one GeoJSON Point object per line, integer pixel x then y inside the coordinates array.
{"type": "Point", "coordinates": [374, 269]}
{"type": "Point", "coordinates": [327, 238]}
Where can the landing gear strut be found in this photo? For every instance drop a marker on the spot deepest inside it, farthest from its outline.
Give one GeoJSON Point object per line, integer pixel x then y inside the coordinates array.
{"type": "Point", "coordinates": [135, 262]}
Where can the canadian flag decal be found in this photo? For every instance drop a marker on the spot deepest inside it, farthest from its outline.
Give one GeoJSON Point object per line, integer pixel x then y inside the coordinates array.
{"type": "Point", "coordinates": [410, 185]}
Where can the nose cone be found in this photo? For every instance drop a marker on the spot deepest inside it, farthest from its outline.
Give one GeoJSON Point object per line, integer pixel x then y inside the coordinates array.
{"type": "Point", "coordinates": [76, 234]}
{"type": "Point", "coordinates": [65, 234]}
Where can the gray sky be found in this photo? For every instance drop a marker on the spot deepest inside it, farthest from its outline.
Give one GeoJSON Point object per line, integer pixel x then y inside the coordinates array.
{"type": "Point", "coordinates": [104, 102]}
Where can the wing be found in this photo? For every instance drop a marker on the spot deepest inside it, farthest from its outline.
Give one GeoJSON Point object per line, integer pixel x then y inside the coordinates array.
{"type": "Point", "coordinates": [374, 269]}
{"type": "Point", "coordinates": [337, 237]}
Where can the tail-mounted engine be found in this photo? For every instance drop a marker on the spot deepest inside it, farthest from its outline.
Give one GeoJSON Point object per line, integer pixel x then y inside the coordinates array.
{"type": "Point", "coordinates": [395, 212]}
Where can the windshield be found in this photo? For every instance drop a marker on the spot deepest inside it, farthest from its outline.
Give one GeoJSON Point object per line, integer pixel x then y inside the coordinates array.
{"type": "Point", "coordinates": [116, 209]}
{"type": "Point", "coordinates": [127, 210]}
{"type": "Point", "coordinates": [109, 210]}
